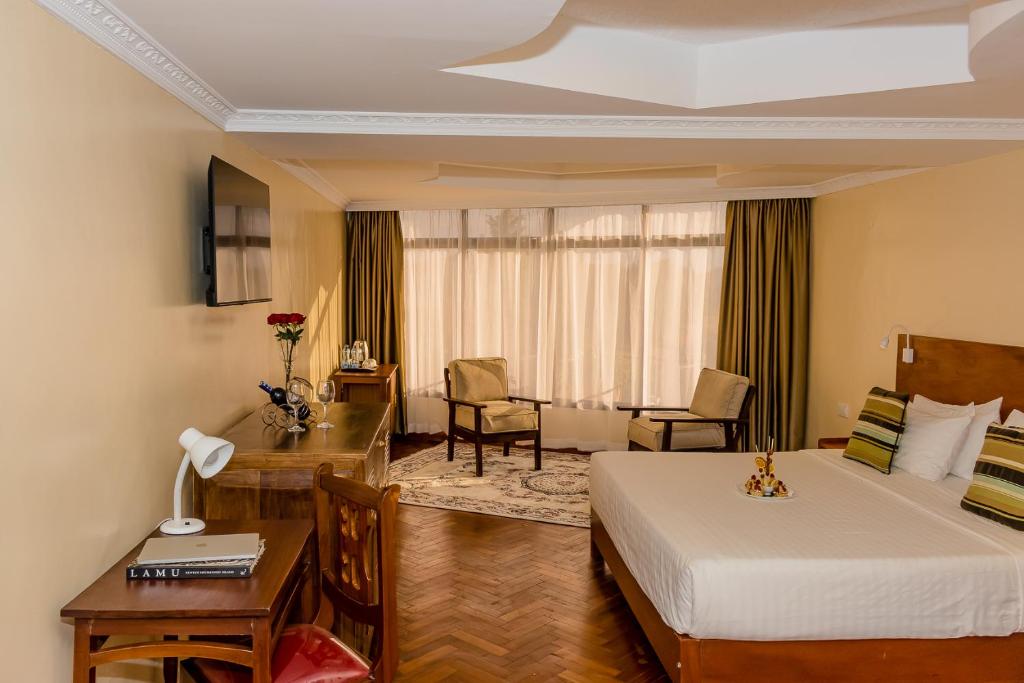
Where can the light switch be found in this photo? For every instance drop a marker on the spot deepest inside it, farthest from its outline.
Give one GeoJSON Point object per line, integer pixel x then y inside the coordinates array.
{"type": "Point", "coordinates": [844, 410]}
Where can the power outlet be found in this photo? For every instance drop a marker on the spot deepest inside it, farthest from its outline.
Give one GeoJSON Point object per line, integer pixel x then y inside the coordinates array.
{"type": "Point", "coordinates": [843, 409]}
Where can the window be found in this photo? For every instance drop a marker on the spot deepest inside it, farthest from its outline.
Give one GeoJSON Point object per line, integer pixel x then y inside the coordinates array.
{"type": "Point", "coordinates": [592, 306]}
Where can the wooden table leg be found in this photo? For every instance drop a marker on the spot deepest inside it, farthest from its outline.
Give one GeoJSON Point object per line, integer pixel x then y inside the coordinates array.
{"type": "Point", "coordinates": [170, 665]}
{"type": "Point", "coordinates": [261, 650]}
{"type": "Point", "coordinates": [82, 670]}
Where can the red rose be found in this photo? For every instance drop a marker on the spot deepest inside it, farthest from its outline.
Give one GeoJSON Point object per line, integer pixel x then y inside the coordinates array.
{"type": "Point", "coordinates": [273, 318]}
{"type": "Point", "coordinates": [296, 318]}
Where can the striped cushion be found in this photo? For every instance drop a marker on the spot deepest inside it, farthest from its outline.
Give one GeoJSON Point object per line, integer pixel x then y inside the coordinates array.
{"type": "Point", "coordinates": [877, 432]}
{"type": "Point", "coordinates": [997, 490]}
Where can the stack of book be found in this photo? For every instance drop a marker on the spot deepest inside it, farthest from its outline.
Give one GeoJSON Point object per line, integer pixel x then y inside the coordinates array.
{"type": "Point", "coordinates": [230, 556]}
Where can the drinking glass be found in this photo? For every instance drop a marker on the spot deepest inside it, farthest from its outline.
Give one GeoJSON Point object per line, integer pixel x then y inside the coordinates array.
{"type": "Point", "coordinates": [359, 352]}
{"type": "Point", "coordinates": [325, 394]}
{"type": "Point", "coordinates": [296, 401]}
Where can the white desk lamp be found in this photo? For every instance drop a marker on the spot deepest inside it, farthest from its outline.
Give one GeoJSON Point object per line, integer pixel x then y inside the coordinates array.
{"type": "Point", "coordinates": [908, 352]}
{"type": "Point", "coordinates": [208, 455]}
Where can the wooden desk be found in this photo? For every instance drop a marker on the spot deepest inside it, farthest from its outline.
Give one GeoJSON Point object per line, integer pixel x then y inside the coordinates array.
{"type": "Point", "coordinates": [378, 386]}
{"type": "Point", "coordinates": [257, 607]}
{"type": "Point", "coordinates": [270, 475]}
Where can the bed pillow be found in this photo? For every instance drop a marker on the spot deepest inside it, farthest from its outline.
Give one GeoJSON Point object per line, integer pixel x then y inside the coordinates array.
{"type": "Point", "coordinates": [997, 489]}
{"type": "Point", "coordinates": [1015, 419]}
{"type": "Point", "coordinates": [929, 443]}
{"type": "Point", "coordinates": [964, 459]}
{"type": "Point", "coordinates": [877, 433]}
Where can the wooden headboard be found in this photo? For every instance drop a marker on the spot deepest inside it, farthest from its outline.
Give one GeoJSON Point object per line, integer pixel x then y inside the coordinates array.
{"type": "Point", "coordinates": [955, 371]}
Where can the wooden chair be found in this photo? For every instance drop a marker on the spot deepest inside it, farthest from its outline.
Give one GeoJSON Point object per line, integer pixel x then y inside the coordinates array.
{"type": "Point", "coordinates": [481, 410]}
{"type": "Point", "coordinates": [356, 538]}
{"type": "Point", "coordinates": [716, 420]}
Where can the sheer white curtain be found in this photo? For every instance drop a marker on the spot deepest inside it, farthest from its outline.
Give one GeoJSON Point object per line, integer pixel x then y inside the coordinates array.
{"type": "Point", "coordinates": [684, 252]}
{"type": "Point", "coordinates": [592, 307]}
{"type": "Point", "coordinates": [432, 246]}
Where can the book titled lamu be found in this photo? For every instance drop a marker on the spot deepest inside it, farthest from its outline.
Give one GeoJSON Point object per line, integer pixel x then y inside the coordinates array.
{"type": "Point", "coordinates": [236, 558]}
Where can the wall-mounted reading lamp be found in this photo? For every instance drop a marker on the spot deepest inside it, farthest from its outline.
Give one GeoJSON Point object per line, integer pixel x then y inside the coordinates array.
{"type": "Point", "coordinates": [908, 352]}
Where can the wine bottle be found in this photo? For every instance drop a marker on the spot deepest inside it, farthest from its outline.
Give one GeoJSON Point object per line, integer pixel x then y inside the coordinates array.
{"type": "Point", "coordinates": [279, 397]}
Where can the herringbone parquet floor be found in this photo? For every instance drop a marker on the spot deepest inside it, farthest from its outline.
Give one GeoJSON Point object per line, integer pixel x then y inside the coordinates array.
{"type": "Point", "coordinates": [488, 599]}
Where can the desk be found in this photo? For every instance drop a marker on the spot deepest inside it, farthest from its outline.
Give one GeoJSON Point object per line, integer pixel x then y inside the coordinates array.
{"type": "Point", "coordinates": [270, 475]}
{"type": "Point", "coordinates": [257, 607]}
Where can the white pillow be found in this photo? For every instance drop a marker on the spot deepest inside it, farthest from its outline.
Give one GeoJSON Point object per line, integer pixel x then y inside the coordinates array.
{"type": "Point", "coordinates": [926, 405]}
{"type": "Point", "coordinates": [1015, 419]}
{"type": "Point", "coordinates": [974, 438]}
{"type": "Point", "coordinates": [927, 446]}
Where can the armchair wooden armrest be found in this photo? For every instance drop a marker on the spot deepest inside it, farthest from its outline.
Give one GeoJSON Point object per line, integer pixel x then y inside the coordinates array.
{"type": "Point", "coordinates": [468, 404]}
{"type": "Point", "coordinates": [702, 420]}
{"type": "Point", "coordinates": [537, 402]}
{"type": "Point", "coordinates": [635, 410]}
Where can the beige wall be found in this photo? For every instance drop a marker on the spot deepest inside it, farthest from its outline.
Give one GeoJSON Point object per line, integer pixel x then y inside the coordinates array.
{"type": "Point", "coordinates": [108, 352]}
{"type": "Point", "coordinates": [939, 251]}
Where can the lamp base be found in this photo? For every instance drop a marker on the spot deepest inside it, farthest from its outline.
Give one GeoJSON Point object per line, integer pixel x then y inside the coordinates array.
{"type": "Point", "coordinates": [178, 527]}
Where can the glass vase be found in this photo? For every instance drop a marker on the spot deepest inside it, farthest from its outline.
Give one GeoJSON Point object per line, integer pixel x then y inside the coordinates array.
{"type": "Point", "coordinates": [287, 352]}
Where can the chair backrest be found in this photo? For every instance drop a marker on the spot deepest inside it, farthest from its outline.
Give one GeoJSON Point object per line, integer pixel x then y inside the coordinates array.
{"type": "Point", "coordinates": [477, 379]}
{"type": "Point", "coordinates": [719, 394]}
{"type": "Point", "coordinates": [356, 537]}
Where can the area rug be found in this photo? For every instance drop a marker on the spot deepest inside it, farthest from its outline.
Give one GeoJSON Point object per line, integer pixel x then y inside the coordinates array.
{"type": "Point", "coordinates": [559, 493]}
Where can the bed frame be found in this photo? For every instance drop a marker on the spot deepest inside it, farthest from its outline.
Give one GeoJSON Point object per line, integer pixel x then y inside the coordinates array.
{"type": "Point", "coordinates": [945, 370]}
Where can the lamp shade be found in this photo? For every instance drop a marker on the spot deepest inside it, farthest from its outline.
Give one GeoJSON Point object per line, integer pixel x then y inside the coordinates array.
{"type": "Point", "coordinates": [208, 454]}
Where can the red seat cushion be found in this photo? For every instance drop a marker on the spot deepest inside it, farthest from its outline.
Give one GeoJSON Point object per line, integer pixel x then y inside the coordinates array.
{"type": "Point", "coordinates": [304, 654]}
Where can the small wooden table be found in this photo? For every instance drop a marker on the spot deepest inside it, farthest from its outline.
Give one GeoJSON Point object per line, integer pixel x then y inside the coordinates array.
{"type": "Point", "coordinates": [378, 386]}
{"type": "Point", "coordinates": [270, 474]}
{"type": "Point", "coordinates": [257, 607]}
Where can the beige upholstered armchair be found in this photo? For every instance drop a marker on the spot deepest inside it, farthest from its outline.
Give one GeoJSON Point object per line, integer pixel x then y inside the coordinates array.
{"type": "Point", "coordinates": [716, 419]}
{"type": "Point", "coordinates": [481, 411]}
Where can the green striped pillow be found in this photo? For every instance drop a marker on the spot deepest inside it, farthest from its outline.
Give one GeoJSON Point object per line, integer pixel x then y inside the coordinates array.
{"type": "Point", "coordinates": [997, 490]}
{"type": "Point", "coordinates": [877, 432]}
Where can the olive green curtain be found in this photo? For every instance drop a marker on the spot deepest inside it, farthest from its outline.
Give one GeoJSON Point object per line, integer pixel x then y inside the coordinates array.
{"type": "Point", "coordinates": [764, 320]}
{"type": "Point", "coordinates": [375, 306]}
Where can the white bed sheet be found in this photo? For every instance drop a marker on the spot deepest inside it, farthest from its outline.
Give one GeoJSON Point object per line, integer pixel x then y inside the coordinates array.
{"type": "Point", "coordinates": [854, 554]}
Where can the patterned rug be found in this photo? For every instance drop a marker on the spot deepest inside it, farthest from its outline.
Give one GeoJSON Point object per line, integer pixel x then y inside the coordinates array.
{"type": "Point", "coordinates": [559, 493]}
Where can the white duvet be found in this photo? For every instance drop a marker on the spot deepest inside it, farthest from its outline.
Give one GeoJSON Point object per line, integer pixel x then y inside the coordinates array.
{"type": "Point", "coordinates": [855, 554]}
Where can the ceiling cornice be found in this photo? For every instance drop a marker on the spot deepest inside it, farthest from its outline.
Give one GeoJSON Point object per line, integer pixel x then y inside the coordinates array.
{"type": "Point", "coordinates": [501, 201]}
{"type": "Point", "coordinates": [657, 127]}
{"type": "Point", "coordinates": [302, 171]}
{"type": "Point", "coordinates": [112, 29]}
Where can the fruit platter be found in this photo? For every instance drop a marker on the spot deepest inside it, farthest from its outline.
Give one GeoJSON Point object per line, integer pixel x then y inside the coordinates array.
{"type": "Point", "coordinates": [764, 485]}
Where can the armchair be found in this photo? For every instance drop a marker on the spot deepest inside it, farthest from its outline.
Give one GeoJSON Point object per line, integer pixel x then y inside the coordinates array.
{"type": "Point", "coordinates": [481, 410]}
{"type": "Point", "coordinates": [716, 420]}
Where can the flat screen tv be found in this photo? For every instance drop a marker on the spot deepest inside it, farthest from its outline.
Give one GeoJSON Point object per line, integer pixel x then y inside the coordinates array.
{"type": "Point", "coordinates": [236, 244]}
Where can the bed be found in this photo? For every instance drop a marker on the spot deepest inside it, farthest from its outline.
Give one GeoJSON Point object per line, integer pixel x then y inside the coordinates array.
{"type": "Point", "coordinates": [860, 576]}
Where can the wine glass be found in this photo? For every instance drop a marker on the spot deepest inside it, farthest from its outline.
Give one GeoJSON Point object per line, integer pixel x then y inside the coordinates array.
{"type": "Point", "coordinates": [296, 400]}
{"type": "Point", "coordinates": [325, 394]}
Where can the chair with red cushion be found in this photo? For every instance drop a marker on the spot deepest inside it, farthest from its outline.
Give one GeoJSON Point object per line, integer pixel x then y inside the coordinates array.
{"type": "Point", "coordinates": [356, 534]}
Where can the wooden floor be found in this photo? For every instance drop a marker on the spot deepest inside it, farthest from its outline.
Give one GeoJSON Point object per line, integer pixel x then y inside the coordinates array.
{"type": "Point", "coordinates": [487, 599]}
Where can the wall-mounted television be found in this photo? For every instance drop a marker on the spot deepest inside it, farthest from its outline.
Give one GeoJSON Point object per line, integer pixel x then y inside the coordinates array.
{"type": "Point", "coordinates": [236, 243]}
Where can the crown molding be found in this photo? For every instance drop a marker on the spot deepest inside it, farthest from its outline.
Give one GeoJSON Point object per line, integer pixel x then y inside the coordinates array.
{"type": "Point", "coordinates": [502, 201]}
{"type": "Point", "coordinates": [309, 176]}
{"type": "Point", "coordinates": [112, 29]}
{"type": "Point", "coordinates": [663, 127]}
{"type": "Point", "coordinates": [847, 182]}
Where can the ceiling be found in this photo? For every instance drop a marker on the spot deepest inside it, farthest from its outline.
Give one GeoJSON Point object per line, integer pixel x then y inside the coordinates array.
{"type": "Point", "coordinates": [404, 103]}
